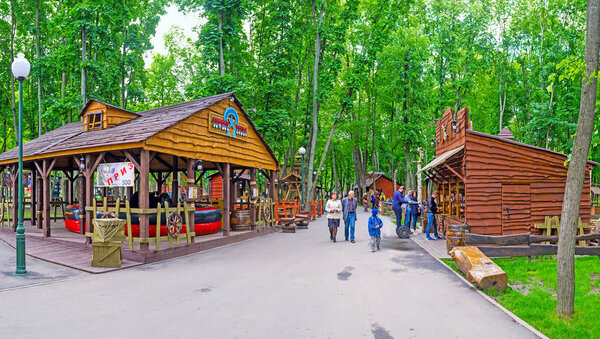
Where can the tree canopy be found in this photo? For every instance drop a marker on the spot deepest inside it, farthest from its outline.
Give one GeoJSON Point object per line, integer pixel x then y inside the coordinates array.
{"type": "Point", "coordinates": [372, 74]}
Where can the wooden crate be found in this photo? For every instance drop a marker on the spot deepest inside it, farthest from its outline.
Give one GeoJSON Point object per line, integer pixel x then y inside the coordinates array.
{"type": "Point", "coordinates": [107, 254]}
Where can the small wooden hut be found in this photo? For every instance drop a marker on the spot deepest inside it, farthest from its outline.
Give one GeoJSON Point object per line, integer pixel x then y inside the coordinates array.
{"type": "Point", "coordinates": [497, 185]}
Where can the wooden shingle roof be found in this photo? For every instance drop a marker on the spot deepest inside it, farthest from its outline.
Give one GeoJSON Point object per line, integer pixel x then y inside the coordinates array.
{"type": "Point", "coordinates": [71, 138]}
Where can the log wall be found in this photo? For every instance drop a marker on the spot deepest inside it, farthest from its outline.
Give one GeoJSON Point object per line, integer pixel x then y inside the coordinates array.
{"type": "Point", "coordinates": [452, 140]}
{"type": "Point", "coordinates": [492, 163]}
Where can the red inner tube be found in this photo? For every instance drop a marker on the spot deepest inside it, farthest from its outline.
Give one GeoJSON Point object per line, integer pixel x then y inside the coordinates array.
{"type": "Point", "coordinates": [72, 224]}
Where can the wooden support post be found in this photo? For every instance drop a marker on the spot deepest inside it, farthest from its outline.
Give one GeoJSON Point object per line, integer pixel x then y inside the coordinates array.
{"type": "Point", "coordinates": [39, 199]}
{"type": "Point", "coordinates": [252, 198]}
{"type": "Point", "coordinates": [144, 196]}
{"type": "Point", "coordinates": [457, 202]}
{"type": "Point", "coordinates": [272, 185]}
{"type": "Point", "coordinates": [226, 198]}
{"type": "Point", "coordinates": [33, 196]}
{"type": "Point", "coordinates": [70, 180]}
{"type": "Point", "coordinates": [191, 178]}
{"type": "Point", "coordinates": [81, 198]}
{"type": "Point", "coordinates": [46, 184]}
{"type": "Point", "coordinates": [175, 188]}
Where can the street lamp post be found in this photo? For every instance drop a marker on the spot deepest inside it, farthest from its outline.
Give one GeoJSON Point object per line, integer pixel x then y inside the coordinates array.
{"type": "Point", "coordinates": [301, 151]}
{"type": "Point", "coordinates": [20, 68]}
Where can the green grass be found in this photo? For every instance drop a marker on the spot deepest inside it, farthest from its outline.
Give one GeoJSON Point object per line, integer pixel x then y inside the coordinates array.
{"type": "Point", "coordinates": [538, 306]}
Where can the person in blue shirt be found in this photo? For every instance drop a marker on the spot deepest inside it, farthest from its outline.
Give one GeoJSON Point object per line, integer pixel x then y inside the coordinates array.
{"type": "Point", "coordinates": [375, 225]}
{"type": "Point", "coordinates": [397, 202]}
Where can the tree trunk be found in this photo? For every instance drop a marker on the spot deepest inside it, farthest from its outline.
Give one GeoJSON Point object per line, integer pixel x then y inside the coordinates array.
{"type": "Point", "coordinates": [83, 60]}
{"type": "Point", "coordinates": [221, 59]}
{"type": "Point", "coordinates": [37, 53]}
{"type": "Point", "coordinates": [336, 187]}
{"type": "Point", "coordinates": [123, 72]}
{"type": "Point", "coordinates": [577, 168]}
{"type": "Point", "coordinates": [314, 128]}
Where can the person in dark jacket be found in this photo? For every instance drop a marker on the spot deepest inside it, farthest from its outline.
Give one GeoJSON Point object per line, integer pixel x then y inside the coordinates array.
{"type": "Point", "coordinates": [397, 202]}
{"type": "Point", "coordinates": [431, 211]}
{"type": "Point", "coordinates": [349, 205]}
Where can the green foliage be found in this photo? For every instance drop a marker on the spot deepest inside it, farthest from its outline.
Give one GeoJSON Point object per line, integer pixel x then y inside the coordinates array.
{"type": "Point", "coordinates": [403, 63]}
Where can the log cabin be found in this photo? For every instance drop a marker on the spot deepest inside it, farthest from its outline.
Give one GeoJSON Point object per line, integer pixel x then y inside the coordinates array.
{"type": "Point", "coordinates": [497, 185]}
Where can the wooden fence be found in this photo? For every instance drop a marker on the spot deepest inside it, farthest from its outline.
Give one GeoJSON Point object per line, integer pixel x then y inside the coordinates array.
{"type": "Point", "coordinates": [526, 244]}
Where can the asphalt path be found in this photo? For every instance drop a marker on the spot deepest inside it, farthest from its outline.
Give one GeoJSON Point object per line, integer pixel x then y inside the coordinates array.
{"type": "Point", "coordinates": [277, 286]}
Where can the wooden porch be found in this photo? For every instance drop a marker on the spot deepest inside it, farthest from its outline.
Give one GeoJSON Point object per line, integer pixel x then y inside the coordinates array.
{"type": "Point", "coordinates": [70, 249]}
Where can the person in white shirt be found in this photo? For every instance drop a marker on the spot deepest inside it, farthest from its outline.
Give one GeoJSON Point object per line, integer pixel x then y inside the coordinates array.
{"type": "Point", "coordinates": [334, 213]}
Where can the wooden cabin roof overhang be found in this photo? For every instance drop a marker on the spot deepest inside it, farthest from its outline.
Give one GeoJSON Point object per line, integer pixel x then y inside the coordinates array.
{"type": "Point", "coordinates": [446, 167]}
{"type": "Point", "coordinates": [71, 140]}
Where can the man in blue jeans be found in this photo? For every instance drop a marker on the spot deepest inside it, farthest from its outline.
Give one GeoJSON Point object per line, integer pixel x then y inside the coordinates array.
{"type": "Point", "coordinates": [431, 211]}
{"type": "Point", "coordinates": [349, 205]}
{"type": "Point", "coordinates": [397, 202]}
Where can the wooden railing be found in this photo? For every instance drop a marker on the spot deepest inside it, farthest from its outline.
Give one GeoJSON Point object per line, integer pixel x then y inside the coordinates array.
{"type": "Point", "coordinates": [526, 244]}
{"type": "Point", "coordinates": [159, 210]}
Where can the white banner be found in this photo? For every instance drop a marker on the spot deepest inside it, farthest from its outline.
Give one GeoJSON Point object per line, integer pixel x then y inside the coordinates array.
{"type": "Point", "coordinates": [116, 174]}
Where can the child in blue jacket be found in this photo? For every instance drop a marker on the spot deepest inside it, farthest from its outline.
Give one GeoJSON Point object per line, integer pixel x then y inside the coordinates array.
{"type": "Point", "coordinates": [375, 225]}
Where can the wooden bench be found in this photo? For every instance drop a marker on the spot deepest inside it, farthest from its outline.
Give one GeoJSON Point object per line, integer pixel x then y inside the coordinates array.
{"type": "Point", "coordinates": [288, 225]}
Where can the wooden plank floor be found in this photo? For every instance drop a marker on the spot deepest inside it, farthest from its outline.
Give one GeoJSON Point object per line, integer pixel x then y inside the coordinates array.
{"type": "Point", "coordinates": [437, 248]}
{"type": "Point", "coordinates": [61, 253]}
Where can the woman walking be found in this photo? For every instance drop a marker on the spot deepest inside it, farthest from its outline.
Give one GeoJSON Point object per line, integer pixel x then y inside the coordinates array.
{"type": "Point", "coordinates": [334, 213]}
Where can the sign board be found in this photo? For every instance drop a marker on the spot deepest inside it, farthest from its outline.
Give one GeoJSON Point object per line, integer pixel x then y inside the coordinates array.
{"type": "Point", "coordinates": [192, 192]}
{"type": "Point", "coordinates": [228, 124]}
{"type": "Point", "coordinates": [116, 174]}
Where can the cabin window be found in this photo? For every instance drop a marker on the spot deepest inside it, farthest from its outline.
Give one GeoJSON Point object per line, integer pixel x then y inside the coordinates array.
{"type": "Point", "coordinates": [94, 121]}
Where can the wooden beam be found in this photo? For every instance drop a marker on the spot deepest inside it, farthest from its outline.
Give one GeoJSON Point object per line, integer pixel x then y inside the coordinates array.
{"type": "Point", "coordinates": [46, 168]}
{"type": "Point", "coordinates": [162, 161]}
{"type": "Point", "coordinates": [239, 175]}
{"type": "Point", "coordinates": [33, 197]}
{"type": "Point", "coordinates": [132, 159]}
{"type": "Point", "coordinates": [100, 157]}
{"type": "Point", "coordinates": [144, 196]}
{"type": "Point", "coordinates": [513, 239]}
{"type": "Point", "coordinates": [455, 172]}
{"type": "Point", "coordinates": [226, 198]}
{"type": "Point", "coordinates": [175, 181]}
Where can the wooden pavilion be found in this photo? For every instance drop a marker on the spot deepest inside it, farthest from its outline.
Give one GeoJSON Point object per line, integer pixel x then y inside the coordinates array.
{"type": "Point", "coordinates": [494, 184]}
{"type": "Point", "coordinates": [214, 130]}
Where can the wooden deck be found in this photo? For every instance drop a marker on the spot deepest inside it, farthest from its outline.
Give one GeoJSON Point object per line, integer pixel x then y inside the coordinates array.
{"type": "Point", "coordinates": [437, 248]}
{"type": "Point", "coordinates": [69, 249]}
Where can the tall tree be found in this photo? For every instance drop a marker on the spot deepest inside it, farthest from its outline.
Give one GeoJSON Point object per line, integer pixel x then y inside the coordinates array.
{"type": "Point", "coordinates": [577, 166]}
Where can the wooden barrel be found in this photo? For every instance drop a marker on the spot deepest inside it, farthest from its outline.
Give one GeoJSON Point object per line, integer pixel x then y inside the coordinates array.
{"type": "Point", "coordinates": [240, 220]}
{"type": "Point", "coordinates": [455, 235]}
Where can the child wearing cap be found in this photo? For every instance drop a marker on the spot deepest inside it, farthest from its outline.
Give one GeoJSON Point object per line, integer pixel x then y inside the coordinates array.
{"type": "Point", "coordinates": [375, 225]}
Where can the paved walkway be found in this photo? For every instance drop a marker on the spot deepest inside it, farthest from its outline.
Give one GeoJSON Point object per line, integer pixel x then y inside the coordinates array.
{"type": "Point", "coordinates": [40, 272]}
{"type": "Point", "coordinates": [276, 286]}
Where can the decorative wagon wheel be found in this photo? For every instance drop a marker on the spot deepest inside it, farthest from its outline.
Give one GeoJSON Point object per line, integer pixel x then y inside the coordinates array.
{"type": "Point", "coordinates": [267, 213]}
{"type": "Point", "coordinates": [108, 215]}
{"type": "Point", "coordinates": [174, 224]}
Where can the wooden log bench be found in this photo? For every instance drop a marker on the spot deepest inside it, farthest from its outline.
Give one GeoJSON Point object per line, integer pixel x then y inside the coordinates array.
{"type": "Point", "coordinates": [288, 225]}
{"type": "Point", "coordinates": [306, 213]}
{"type": "Point", "coordinates": [301, 221]}
{"type": "Point", "coordinates": [478, 268]}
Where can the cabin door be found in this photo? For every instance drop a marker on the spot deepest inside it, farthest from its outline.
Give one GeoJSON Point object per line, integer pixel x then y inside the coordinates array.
{"type": "Point", "coordinates": [516, 209]}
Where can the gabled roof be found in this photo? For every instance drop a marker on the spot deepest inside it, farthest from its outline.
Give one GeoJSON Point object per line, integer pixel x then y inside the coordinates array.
{"type": "Point", "coordinates": [72, 138]}
{"type": "Point", "coordinates": [292, 175]}
{"type": "Point", "coordinates": [84, 109]}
